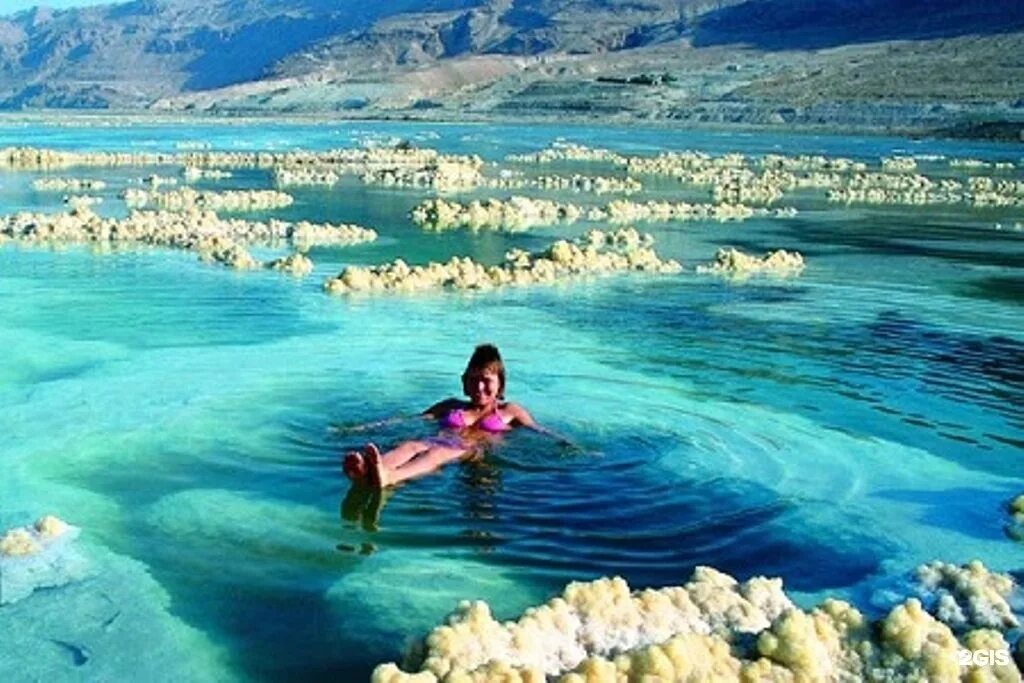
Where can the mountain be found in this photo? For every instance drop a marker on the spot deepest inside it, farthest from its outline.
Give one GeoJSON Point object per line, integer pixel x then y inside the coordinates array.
{"type": "Point", "coordinates": [700, 60]}
{"type": "Point", "coordinates": [788, 25]}
{"type": "Point", "coordinates": [132, 53]}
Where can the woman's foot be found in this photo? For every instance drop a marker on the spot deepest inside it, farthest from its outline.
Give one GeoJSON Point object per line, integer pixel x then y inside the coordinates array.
{"type": "Point", "coordinates": [378, 474]}
{"type": "Point", "coordinates": [354, 466]}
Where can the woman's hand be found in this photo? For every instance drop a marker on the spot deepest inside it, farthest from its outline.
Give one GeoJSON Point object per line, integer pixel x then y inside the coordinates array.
{"type": "Point", "coordinates": [369, 426]}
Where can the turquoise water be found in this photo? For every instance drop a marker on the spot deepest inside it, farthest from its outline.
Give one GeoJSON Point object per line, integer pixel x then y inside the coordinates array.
{"type": "Point", "coordinates": [835, 430]}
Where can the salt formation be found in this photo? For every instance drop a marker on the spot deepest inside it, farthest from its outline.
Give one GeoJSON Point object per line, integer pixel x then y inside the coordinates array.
{"type": "Point", "coordinates": [914, 189]}
{"type": "Point", "coordinates": [811, 162]}
{"type": "Point", "coordinates": [31, 158]}
{"type": "Point", "coordinates": [306, 235]}
{"type": "Point", "coordinates": [568, 151]}
{"type": "Point", "coordinates": [596, 253]}
{"type": "Point", "coordinates": [580, 183]}
{"type": "Point", "coordinates": [731, 178]}
{"type": "Point", "coordinates": [575, 183]}
{"type": "Point", "coordinates": [728, 178]}
{"type": "Point", "coordinates": [155, 181]}
{"type": "Point", "coordinates": [968, 163]}
{"type": "Point", "coordinates": [295, 264]}
{"type": "Point", "coordinates": [400, 165]}
{"type": "Point", "coordinates": [38, 556]}
{"type": "Point", "coordinates": [193, 173]}
{"type": "Point", "coordinates": [905, 188]}
{"type": "Point", "coordinates": [749, 189]}
{"type": "Point", "coordinates": [522, 213]}
{"type": "Point", "coordinates": [214, 238]}
{"type": "Point", "coordinates": [443, 175]}
{"type": "Point", "coordinates": [192, 144]}
{"type": "Point", "coordinates": [968, 596]}
{"type": "Point", "coordinates": [625, 211]}
{"type": "Point", "coordinates": [899, 164]}
{"type": "Point", "coordinates": [683, 164]}
{"type": "Point", "coordinates": [182, 230]}
{"type": "Point", "coordinates": [1015, 527]}
{"type": "Point", "coordinates": [68, 184]}
{"type": "Point", "coordinates": [188, 198]}
{"type": "Point", "coordinates": [356, 161]}
{"type": "Point", "coordinates": [228, 252]}
{"type": "Point", "coordinates": [734, 263]}
{"type": "Point", "coordinates": [995, 192]}
{"type": "Point", "coordinates": [82, 201]}
{"type": "Point", "coordinates": [285, 177]}
{"type": "Point", "coordinates": [516, 214]}
{"type": "Point", "coordinates": [712, 628]}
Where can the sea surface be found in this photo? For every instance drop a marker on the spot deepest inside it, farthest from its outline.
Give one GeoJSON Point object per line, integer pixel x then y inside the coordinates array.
{"type": "Point", "coordinates": [835, 430]}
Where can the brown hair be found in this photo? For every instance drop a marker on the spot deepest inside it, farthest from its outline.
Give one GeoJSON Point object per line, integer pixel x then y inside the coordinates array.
{"type": "Point", "coordinates": [486, 357]}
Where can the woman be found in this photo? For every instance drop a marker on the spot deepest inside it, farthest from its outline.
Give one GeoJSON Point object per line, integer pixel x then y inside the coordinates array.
{"type": "Point", "coordinates": [465, 427]}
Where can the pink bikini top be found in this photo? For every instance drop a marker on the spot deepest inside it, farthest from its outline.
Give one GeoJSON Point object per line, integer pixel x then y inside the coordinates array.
{"type": "Point", "coordinates": [456, 419]}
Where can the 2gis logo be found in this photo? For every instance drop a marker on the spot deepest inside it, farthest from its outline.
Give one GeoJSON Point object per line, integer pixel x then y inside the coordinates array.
{"type": "Point", "coordinates": [982, 657]}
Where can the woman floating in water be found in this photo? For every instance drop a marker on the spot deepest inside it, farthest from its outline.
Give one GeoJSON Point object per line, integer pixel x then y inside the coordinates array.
{"type": "Point", "coordinates": [465, 427]}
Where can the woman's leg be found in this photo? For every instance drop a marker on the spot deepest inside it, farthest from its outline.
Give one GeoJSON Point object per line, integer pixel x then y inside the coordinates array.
{"type": "Point", "coordinates": [356, 468]}
{"type": "Point", "coordinates": [402, 453]}
{"type": "Point", "coordinates": [382, 474]}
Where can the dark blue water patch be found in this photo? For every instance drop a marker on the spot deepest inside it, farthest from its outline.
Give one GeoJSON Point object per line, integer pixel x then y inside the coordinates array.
{"type": "Point", "coordinates": [1004, 289]}
{"type": "Point", "coordinates": [985, 370]}
{"type": "Point", "coordinates": [854, 378]}
{"type": "Point", "coordinates": [956, 509]}
{"type": "Point", "coordinates": [883, 233]}
{"type": "Point", "coordinates": [568, 517]}
{"type": "Point", "coordinates": [277, 635]}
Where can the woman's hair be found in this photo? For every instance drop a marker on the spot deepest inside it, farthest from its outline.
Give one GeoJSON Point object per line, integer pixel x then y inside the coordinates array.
{"type": "Point", "coordinates": [486, 357]}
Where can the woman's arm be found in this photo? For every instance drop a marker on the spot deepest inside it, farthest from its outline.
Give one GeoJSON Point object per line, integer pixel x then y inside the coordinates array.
{"type": "Point", "coordinates": [433, 412]}
{"type": "Point", "coordinates": [374, 424]}
{"type": "Point", "coordinates": [522, 417]}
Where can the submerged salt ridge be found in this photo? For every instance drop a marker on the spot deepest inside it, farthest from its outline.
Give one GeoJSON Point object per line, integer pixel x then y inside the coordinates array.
{"type": "Point", "coordinates": [802, 429]}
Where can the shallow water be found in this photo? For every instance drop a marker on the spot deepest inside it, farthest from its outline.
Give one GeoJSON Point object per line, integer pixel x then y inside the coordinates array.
{"type": "Point", "coordinates": [834, 430]}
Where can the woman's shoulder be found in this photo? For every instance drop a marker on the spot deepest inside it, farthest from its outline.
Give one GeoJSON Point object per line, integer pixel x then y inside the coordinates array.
{"type": "Point", "coordinates": [445, 406]}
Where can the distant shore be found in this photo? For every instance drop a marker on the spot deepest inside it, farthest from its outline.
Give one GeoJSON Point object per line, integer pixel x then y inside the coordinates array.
{"type": "Point", "coordinates": [951, 121]}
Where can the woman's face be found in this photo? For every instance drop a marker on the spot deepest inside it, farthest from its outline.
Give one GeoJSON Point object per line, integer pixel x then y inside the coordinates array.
{"type": "Point", "coordinates": [482, 387]}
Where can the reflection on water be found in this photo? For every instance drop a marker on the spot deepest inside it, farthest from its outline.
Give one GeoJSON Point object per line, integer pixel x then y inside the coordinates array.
{"type": "Point", "coordinates": [570, 517]}
{"type": "Point", "coordinates": [363, 504]}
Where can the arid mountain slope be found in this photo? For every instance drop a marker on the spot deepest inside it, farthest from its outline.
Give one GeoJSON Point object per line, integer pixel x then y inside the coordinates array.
{"type": "Point", "coordinates": [874, 62]}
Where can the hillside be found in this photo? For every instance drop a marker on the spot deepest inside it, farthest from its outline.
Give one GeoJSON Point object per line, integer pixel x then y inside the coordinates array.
{"type": "Point", "coordinates": [870, 63]}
